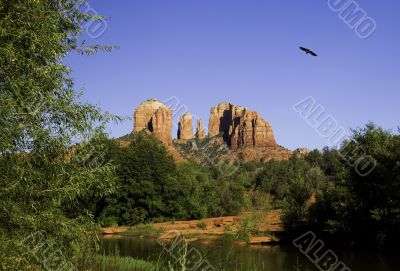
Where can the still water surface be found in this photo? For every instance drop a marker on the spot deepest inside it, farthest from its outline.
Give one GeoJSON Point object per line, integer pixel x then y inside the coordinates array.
{"type": "Point", "coordinates": [229, 255]}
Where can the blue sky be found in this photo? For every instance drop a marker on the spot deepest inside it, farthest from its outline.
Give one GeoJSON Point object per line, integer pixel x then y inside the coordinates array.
{"type": "Point", "coordinates": [246, 52]}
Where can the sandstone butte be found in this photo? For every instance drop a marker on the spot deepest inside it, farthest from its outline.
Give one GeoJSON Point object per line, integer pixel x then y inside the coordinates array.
{"type": "Point", "coordinates": [240, 126]}
{"type": "Point", "coordinates": [245, 132]}
{"type": "Point", "coordinates": [156, 118]}
{"type": "Point", "coordinates": [249, 136]}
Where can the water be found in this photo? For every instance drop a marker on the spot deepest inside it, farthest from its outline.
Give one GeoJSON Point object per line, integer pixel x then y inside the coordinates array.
{"type": "Point", "coordinates": [229, 255]}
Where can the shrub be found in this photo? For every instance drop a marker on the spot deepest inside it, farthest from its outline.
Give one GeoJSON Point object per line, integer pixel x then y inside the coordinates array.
{"type": "Point", "coordinates": [201, 225]}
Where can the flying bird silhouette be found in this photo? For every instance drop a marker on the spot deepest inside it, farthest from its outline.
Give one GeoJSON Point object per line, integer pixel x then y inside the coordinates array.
{"type": "Point", "coordinates": [308, 51]}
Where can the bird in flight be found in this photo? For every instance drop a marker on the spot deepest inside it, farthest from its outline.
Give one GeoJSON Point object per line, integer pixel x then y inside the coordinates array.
{"type": "Point", "coordinates": [308, 51]}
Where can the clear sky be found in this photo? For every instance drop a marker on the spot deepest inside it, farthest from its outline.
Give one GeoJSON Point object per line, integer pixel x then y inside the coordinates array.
{"type": "Point", "coordinates": [246, 52]}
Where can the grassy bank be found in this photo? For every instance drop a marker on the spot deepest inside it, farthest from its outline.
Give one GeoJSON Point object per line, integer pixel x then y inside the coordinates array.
{"type": "Point", "coordinates": [117, 263]}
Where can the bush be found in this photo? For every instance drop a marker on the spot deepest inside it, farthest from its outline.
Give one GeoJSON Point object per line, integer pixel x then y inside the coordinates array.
{"type": "Point", "coordinates": [248, 227]}
{"type": "Point", "coordinates": [201, 225]}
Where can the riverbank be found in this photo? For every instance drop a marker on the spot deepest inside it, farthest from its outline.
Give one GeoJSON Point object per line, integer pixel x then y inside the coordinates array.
{"type": "Point", "coordinates": [256, 228]}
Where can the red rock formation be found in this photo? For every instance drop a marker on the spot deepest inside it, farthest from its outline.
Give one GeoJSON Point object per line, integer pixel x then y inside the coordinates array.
{"type": "Point", "coordinates": [185, 127]}
{"type": "Point", "coordinates": [240, 126]}
{"type": "Point", "coordinates": [248, 135]}
{"type": "Point", "coordinates": [200, 134]}
{"type": "Point", "coordinates": [155, 117]}
{"type": "Point", "coordinates": [220, 119]}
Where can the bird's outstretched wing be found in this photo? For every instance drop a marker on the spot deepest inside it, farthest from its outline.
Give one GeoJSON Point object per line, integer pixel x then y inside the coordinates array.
{"type": "Point", "coordinates": [308, 51]}
{"type": "Point", "coordinates": [312, 53]}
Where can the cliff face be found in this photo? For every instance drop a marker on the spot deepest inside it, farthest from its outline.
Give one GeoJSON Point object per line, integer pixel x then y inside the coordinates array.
{"type": "Point", "coordinates": [155, 117]}
{"type": "Point", "coordinates": [185, 127]}
{"type": "Point", "coordinates": [249, 136]}
{"type": "Point", "coordinates": [240, 126]}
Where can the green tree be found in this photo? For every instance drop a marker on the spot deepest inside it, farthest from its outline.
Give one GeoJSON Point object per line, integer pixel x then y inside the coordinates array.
{"type": "Point", "coordinates": [153, 188]}
{"type": "Point", "coordinates": [145, 170]}
{"type": "Point", "coordinates": [362, 205]}
{"type": "Point", "coordinates": [330, 161]}
{"type": "Point", "coordinates": [195, 193]}
{"type": "Point", "coordinates": [41, 119]}
{"type": "Point", "coordinates": [291, 184]}
{"type": "Point", "coordinates": [374, 182]}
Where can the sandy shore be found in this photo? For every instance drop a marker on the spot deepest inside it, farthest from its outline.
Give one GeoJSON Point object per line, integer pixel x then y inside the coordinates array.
{"type": "Point", "coordinates": [208, 228]}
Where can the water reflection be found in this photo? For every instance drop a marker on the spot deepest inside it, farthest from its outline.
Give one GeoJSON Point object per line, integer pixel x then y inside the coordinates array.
{"type": "Point", "coordinates": [229, 255]}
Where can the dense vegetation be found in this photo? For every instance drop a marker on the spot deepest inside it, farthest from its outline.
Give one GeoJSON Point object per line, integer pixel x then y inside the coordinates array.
{"type": "Point", "coordinates": [152, 187]}
{"type": "Point", "coordinates": [327, 192]}
{"type": "Point", "coordinates": [324, 190]}
{"type": "Point", "coordinates": [361, 208]}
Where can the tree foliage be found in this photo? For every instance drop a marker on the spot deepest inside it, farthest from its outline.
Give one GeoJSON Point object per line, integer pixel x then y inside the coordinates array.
{"type": "Point", "coordinates": [365, 208]}
{"type": "Point", "coordinates": [42, 168]}
{"type": "Point", "coordinates": [152, 187]}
